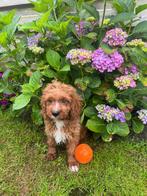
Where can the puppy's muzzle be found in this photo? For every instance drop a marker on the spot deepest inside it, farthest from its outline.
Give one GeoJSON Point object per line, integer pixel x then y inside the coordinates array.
{"type": "Point", "coordinates": [55, 113]}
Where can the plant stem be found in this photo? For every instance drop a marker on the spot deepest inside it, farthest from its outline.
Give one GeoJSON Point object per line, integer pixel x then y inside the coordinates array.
{"type": "Point", "coordinates": [103, 17]}
{"type": "Point", "coordinates": [55, 16]}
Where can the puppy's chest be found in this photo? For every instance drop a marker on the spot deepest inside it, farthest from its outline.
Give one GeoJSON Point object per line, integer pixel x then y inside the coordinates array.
{"type": "Point", "coordinates": [59, 134]}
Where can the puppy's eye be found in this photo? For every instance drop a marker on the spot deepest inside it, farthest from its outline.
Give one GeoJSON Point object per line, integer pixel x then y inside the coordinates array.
{"type": "Point", "coordinates": [64, 101]}
{"type": "Point", "coordinates": [49, 101]}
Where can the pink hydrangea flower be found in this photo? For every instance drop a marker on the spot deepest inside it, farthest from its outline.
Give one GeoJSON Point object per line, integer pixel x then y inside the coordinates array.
{"type": "Point", "coordinates": [79, 56]}
{"type": "Point", "coordinates": [124, 82]}
{"type": "Point", "coordinates": [106, 62]}
{"type": "Point", "coordinates": [115, 37]}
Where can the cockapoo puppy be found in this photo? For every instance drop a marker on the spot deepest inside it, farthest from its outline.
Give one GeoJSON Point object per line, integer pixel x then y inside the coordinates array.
{"type": "Point", "coordinates": [61, 107]}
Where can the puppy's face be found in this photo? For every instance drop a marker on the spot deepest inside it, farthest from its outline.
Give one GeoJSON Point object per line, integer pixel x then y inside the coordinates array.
{"type": "Point", "coordinates": [58, 106]}
{"type": "Point", "coordinates": [60, 101]}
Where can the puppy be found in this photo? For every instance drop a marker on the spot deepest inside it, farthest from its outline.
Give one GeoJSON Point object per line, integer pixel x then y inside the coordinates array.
{"type": "Point", "coordinates": [61, 107]}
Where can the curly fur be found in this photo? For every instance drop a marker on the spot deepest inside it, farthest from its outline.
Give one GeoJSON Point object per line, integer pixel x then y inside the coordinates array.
{"type": "Point", "coordinates": [53, 95]}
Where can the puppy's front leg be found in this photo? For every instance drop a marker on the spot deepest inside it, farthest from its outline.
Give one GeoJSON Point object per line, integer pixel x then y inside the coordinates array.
{"type": "Point", "coordinates": [72, 163]}
{"type": "Point", "coordinates": [51, 149]}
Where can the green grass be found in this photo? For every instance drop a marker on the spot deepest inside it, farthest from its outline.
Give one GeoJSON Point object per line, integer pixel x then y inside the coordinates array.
{"type": "Point", "coordinates": [118, 168]}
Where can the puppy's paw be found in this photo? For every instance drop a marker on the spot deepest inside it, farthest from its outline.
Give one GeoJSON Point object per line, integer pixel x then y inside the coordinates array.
{"type": "Point", "coordinates": [74, 166]}
{"type": "Point", "coordinates": [51, 157]}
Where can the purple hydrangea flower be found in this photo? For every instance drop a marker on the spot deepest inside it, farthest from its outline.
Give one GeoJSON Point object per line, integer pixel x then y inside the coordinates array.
{"type": "Point", "coordinates": [34, 40]}
{"type": "Point", "coordinates": [80, 29]}
{"type": "Point", "coordinates": [115, 37]}
{"type": "Point", "coordinates": [109, 113]}
{"type": "Point", "coordinates": [9, 95]}
{"type": "Point", "coordinates": [131, 70]}
{"type": "Point", "coordinates": [142, 115]}
{"type": "Point", "coordinates": [4, 102]}
{"type": "Point", "coordinates": [1, 74]}
{"type": "Point", "coordinates": [106, 62]}
{"type": "Point", "coordinates": [79, 56]}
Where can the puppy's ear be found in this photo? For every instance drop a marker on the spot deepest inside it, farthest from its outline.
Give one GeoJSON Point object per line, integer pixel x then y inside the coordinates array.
{"type": "Point", "coordinates": [43, 106]}
{"type": "Point", "coordinates": [76, 106]}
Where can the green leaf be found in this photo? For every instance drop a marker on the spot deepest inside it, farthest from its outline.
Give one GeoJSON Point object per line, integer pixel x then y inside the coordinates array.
{"type": "Point", "coordinates": [118, 128]}
{"type": "Point", "coordinates": [43, 19]}
{"type": "Point", "coordinates": [3, 38]}
{"type": "Point", "coordinates": [91, 35]}
{"type": "Point", "coordinates": [87, 43]}
{"type": "Point", "coordinates": [27, 89]}
{"type": "Point", "coordinates": [110, 95]}
{"type": "Point", "coordinates": [137, 125]}
{"type": "Point", "coordinates": [21, 101]}
{"type": "Point", "coordinates": [11, 28]}
{"type": "Point", "coordinates": [53, 59]}
{"type": "Point", "coordinates": [95, 82]}
{"type": "Point", "coordinates": [63, 27]}
{"type": "Point", "coordinates": [90, 111]}
{"type": "Point", "coordinates": [49, 73]}
{"type": "Point", "coordinates": [7, 18]}
{"type": "Point", "coordinates": [92, 10]}
{"type": "Point", "coordinates": [140, 8]}
{"type": "Point", "coordinates": [140, 28]}
{"type": "Point", "coordinates": [120, 104]}
{"type": "Point", "coordinates": [6, 74]}
{"type": "Point", "coordinates": [50, 2]}
{"type": "Point", "coordinates": [124, 5]}
{"type": "Point", "coordinates": [128, 116]}
{"type": "Point", "coordinates": [36, 115]}
{"type": "Point", "coordinates": [106, 137]}
{"type": "Point", "coordinates": [35, 79]}
{"type": "Point", "coordinates": [138, 56]}
{"type": "Point", "coordinates": [33, 85]}
{"type": "Point", "coordinates": [107, 49]}
{"type": "Point", "coordinates": [29, 26]}
{"type": "Point", "coordinates": [123, 17]}
{"type": "Point", "coordinates": [39, 6]}
{"type": "Point", "coordinates": [81, 83]}
{"type": "Point", "coordinates": [96, 126]}
{"type": "Point", "coordinates": [65, 68]}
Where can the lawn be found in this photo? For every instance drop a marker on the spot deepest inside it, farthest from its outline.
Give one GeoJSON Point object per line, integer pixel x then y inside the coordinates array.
{"type": "Point", "coordinates": [118, 168]}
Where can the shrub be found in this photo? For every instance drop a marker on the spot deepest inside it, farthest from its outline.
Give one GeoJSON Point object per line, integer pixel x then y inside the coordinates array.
{"type": "Point", "coordinates": [105, 60]}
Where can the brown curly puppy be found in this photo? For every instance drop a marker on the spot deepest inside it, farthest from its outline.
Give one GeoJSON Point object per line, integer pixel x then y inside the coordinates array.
{"type": "Point", "coordinates": [61, 107]}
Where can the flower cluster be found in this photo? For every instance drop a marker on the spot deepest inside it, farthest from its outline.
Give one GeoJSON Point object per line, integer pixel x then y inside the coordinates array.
{"type": "Point", "coordinates": [124, 82]}
{"type": "Point", "coordinates": [109, 113]}
{"type": "Point", "coordinates": [5, 98]}
{"type": "Point", "coordinates": [136, 42]}
{"type": "Point", "coordinates": [106, 21]}
{"type": "Point", "coordinates": [34, 40]}
{"type": "Point", "coordinates": [106, 62]}
{"type": "Point", "coordinates": [132, 71]}
{"type": "Point", "coordinates": [1, 74]}
{"type": "Point", "coordinates": [80, 28]}
{"type": "Point", "coordinates": [115, 37]}
{"type": "Point", "coordinates": [142, 115]}
{"type": "Point", "coordinates": [4, 102]}
{"type": "Point", "coordinates": [33, 44]}
{"type": "Point", "coordinates": [79, 56]}
{"type": "Point", "coordinates": [37, 50]}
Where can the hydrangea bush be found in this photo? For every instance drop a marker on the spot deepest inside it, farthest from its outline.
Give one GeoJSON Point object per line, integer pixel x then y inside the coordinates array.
{"type": "Point", "coordinates": [104, 58]}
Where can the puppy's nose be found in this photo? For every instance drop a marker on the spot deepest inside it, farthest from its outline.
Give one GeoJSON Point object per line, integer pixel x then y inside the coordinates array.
{"type": "Point", "coordinates": [55, 113]}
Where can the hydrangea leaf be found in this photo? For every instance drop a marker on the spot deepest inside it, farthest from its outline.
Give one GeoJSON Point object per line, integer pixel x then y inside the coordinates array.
{"type": "Point", "coordinates": [53, 59]}
{"type": "Point", "coordinates": [21, 101]}
{"type": "Point", "coordinates": [137, 125]}
{"type": "Point", "coordinates": [118, 128]}
{"type": "Point", "coordinates": [90, 111]}
{"type": "Point", "coordinates": [96, 126]}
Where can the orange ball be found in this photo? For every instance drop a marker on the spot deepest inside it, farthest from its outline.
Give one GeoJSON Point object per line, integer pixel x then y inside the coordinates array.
{"type": "Point", "coordinates": [83, 153]}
